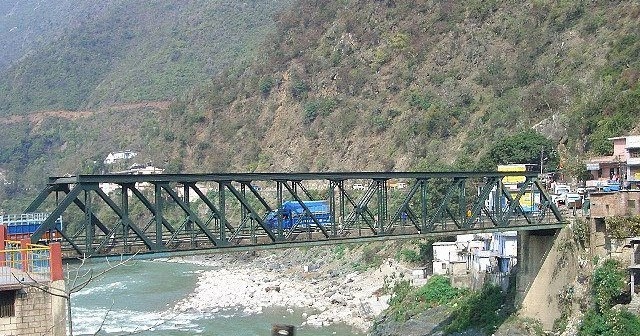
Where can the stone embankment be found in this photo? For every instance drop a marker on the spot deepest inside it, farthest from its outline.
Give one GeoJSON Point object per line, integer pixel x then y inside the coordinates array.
{"type": "Point", "coordinates": [312, 280]}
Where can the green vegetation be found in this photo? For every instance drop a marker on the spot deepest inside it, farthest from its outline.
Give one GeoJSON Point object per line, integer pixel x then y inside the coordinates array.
{"type": "Point", "coordinates": [422, 256]}
{"type": "Point", "coordinates": [623, 226]}
{"type": "Point", "coordinates": [339, 250]}
{"type": "Point", "coordinates": [581, 232]}
{"type": "Point", "coordinates": [129, 51]}
{"type": "Point", "coordinates": [485, 310]}
{"type": "Point", "coordinates": [608, 286]}
{"type": "Point", "coordinates": [611, 323]}
{"type": "Point", "coordinates": [407, 301]}
{"type": "Point", "coordinates": [369, 258]}
{"type": "Point", "coordinates": [455, 85]}
{"type": "Point", "coordinates": [524, 147]}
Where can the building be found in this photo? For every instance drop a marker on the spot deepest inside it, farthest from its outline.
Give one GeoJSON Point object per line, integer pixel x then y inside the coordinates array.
{"type": "Point", "coordinates": [29, 273]}
{"type": "Point", "coordinates": [135, 169]}
{"type": "Point", "coordinates": [118, 156]}
{"type": "Point", "coordinates": [609, 204]}
{"type": "Point", "coordinates": [623, 166]}
{"type": "Point", "coordinates": [444, 254]}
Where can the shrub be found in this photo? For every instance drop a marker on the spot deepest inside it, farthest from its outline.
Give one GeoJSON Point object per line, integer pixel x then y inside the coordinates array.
{"type": "Point", "coordinates": [623, 226]}
{"type": "Point", "coordinates": [581, 232]}
{"type": "Point", "coordinates": [437, 291]}
{"type": "Point", "coordinates": [608, 284]}
{"type": "Point", "coordinates": [320, 107]}
{"type": "Point", "coordinates": [409, 256]}
{"type": "Point", "coordinates": [483, 310]}
{"type": "Point", "coordinates": [299, 88]}
{"type": "Point", "coordinates": [406, 301]}
{"type": "Point", "coordinates": [265, 85]}
{"type": "Point", "coordinates": [614, 323]}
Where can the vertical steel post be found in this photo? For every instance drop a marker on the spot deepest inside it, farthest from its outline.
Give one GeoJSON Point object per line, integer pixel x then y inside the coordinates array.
{"type": "Point", "coordinates": [423, 204]}
{"type": "Point", "coordinates": [158, 205]}
{"type": "Point", "coordinates": [382, 205]}
{"type": "Point", "coordinates": [189, 224]}
{"type": "Point", "coordinates": [278, 207]}
{"type": "Point", "coordinates": [124, 203]}
{"type": "Point", "coordinates": [497, 203]}
{"type": "Point", "coordinates": [342, 200]}
{"type": "Point", "coordinates": [90, 229]}
{"type": "Point", "coordinates": [463, 202]}
{"type": "Point", "coordinates": [243, 210]}
{"type": "Point", "coordinates": [222, 207]}
{"type": "Point", "coordinates": [332, 207]}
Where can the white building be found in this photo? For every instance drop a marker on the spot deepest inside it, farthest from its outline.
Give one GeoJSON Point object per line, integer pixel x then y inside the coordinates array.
{"type": "Point", "coordinates": [135, 169]}
{"type": "Point", "coordinates": [485, 252]}
{"type": "Point", "coordinates": [444, 253]}
{"type": "Point", "coordinates": [505, 244]}
{"type": "Point", "coordinates": [116, 156]}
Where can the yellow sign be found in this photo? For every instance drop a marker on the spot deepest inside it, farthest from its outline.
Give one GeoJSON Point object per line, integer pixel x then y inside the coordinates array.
{"type": "Point", "coordinates": [513, 168]}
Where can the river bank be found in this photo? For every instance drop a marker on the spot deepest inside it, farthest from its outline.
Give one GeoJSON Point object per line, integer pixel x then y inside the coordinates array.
{"type": "Point", "coordinates": [140, 298]}
{"type": "Point", "coordinates": [317, 279]}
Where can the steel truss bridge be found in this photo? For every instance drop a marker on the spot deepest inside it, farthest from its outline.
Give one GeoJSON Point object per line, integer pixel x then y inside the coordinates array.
{"type": "Point", "coordinates": [123, 214]}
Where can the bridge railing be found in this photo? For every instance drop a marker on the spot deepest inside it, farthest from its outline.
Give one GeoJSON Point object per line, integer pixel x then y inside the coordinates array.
{"type": "Point", "coordinates": [22, 262]}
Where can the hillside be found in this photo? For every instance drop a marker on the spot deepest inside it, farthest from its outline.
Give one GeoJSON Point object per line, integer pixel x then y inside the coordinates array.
{"type": "Point", "coordinates": [26, 25]}
{"type": "Point", "coordinates": [399, 85]}
{"type": "Point", "coordinates": [67, 56]}
{"type": "Point", "coordinates": [345, 85]}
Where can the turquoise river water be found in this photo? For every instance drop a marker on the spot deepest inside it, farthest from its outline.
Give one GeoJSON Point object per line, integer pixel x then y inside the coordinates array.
{"type": "Point", "coordinates": [138, 298]}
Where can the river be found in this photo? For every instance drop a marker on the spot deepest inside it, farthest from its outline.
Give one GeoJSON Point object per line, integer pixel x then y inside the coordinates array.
{"type": "Point", "coordinates": [139, 298]}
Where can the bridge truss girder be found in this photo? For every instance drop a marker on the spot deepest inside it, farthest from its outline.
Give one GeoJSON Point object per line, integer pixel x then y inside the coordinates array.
{"type": "Point", "coordinates": [172, 212]}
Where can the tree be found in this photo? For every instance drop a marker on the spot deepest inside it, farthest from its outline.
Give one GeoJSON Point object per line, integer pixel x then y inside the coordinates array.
{"type": "Point", "coordinates": [527, 147]}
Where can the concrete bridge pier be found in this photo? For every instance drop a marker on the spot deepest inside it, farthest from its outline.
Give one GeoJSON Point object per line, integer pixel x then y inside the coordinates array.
{"type": "Point", "coordinates": [547, 264]}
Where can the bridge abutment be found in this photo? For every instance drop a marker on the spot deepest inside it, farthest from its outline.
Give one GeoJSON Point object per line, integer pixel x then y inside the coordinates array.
{"type": "Point", "coordinates": [546, 265]}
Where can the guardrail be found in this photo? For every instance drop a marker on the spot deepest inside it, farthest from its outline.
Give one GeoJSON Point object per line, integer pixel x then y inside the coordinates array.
{"type": "Point", "coordinates": [24, 262]}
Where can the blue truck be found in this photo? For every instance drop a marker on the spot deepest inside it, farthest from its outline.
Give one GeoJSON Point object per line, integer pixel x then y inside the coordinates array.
{"type": "Point", "coordinates": [293, 216]}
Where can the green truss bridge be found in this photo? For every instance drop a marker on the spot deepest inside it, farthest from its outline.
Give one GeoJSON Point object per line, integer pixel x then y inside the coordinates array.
{"type": "Point", "coordinates": [105, 215]}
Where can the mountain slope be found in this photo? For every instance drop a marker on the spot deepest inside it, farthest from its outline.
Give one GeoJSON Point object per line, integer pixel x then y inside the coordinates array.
{"type": "Point", "coordinates": [404, 85]}
{"type": "Point", "coordinates": [128, 51]}
{"type": "Point", "coordinates": [358, 85]}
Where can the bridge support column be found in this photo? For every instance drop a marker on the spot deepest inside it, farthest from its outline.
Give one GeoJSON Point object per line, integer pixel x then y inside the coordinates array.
{"type": "Point", "coordinates": [546, 265]}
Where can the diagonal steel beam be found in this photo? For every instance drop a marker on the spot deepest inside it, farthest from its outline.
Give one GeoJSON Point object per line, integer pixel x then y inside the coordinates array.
{"type": "Point", "coordinates": [49, 223]}
{"type": "Point", "coordinates": [248, 206]}
{"type": "Point", "coordinates": [124, 217]}
{"type": "Point", "coordinates": [152, 209]}
{"type": "Point", "coordinates": [192, 215]}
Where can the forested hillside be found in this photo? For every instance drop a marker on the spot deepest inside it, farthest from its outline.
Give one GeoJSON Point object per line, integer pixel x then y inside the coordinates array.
{"type": "Point", "coordinates": [415, 85]}
{"type": "Point", "coordinates": [68, 55]}
{"type": "Point", "coordinates": [337, 85]}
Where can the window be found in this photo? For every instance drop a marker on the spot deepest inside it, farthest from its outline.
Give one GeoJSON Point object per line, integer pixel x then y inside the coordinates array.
{"type": "Point", "coordinates": [7, 303]}
{"type": "Point", "coordinates": [634, 152]}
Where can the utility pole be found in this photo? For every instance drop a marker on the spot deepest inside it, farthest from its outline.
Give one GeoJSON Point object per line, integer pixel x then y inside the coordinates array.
{"type": "Point", "coordinates": [541, 159]}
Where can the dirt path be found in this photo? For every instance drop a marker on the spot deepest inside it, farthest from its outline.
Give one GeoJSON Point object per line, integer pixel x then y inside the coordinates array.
{"type": "Point", "coordinates": [37, 117]}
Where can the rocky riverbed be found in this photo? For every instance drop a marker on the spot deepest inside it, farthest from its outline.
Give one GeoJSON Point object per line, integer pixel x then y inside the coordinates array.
{"type": "Point", "coordinates": [316, 279]}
